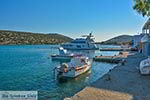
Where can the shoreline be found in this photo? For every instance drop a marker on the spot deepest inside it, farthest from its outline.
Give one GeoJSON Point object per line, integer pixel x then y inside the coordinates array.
{"type": "Point", "coordinates": [123, 82]}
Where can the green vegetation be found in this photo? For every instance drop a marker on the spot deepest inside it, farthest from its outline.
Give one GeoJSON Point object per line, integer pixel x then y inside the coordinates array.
{"type": "Point", "coordinates": [122, 39]}
{"type": "Point", "coordinates": [142, 7]}
{"type": "Point", "coordinates": [13, 37]}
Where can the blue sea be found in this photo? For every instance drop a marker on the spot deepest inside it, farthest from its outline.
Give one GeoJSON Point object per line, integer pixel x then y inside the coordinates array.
{"type": "Point", "coordinates": [30, 67]}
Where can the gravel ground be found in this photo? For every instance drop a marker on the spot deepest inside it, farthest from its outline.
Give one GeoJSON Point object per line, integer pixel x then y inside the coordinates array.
{"type": "Point", "coordinates": [124, 82]}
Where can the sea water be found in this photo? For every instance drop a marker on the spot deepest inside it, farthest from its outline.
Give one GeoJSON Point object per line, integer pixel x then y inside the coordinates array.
{"type": "Point", "coordinates": [29, 67]}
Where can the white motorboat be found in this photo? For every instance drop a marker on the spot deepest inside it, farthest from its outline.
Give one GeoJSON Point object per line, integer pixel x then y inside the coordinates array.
{"type": "Point", "coordinates": [84, 43]}
{"type": "Point", "coordinates": [76, 67]}
{"type": "Point", "coordinates": [145, 66]}
{"type": "Point", "coordinates": [63, 55]}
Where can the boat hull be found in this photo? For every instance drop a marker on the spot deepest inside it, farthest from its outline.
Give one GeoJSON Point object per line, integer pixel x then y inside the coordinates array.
{"type": "Point", "coordinates": [145, 67]}
{"type": "Point", "coordinates": [57, 57]}
{"type": "Point", "coordinates": [81, 48]}
{"type": "Point", "coordinates": [145, 70]}
{"type": "Point", "coordinates": [78, 46]}
{"type": "Point", "coordinates": [72, 73]}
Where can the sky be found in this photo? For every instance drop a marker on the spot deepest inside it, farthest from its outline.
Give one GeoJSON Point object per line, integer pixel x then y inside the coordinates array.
{"type": "Point", "coordinates": [105, 18]}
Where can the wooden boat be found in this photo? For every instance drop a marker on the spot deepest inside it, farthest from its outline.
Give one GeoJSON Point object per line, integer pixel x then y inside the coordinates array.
{"type": "Point", "coordinates": [76, 67]}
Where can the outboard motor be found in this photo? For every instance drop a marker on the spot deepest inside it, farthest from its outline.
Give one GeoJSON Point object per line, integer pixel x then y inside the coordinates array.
{"type": "Point", "coordinates": [64, 67]}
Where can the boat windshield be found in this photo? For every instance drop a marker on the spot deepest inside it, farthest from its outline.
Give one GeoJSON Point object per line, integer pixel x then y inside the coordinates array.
{"type": "Point", "coordinates": [78, 42]}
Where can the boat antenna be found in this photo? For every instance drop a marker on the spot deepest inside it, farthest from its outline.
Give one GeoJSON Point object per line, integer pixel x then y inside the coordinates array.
{"type": "Point", "coordinates": [90, 34]}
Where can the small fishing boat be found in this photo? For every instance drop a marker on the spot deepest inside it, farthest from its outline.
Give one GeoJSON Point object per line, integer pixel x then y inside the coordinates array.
{"type": "Point", "coordinates": [76, 67]}
{"type": "Point", "coordinates": [63, 55]}
{"type": "Point", "coordinates": [145, 66]}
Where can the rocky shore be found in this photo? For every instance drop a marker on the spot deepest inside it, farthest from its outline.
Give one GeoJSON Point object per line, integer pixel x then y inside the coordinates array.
{"type": "Point", "coordinates": [124, 82]}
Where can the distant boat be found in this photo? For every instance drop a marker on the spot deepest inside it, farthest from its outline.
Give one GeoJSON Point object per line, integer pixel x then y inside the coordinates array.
{"type": "Point", "coordinates": [84, 43]}
{"type": "Point", "coordinates": [145, 66]}
{"type": "Point", "coordinates": [76, 67]}
{"type": "Point", "coordinates": [63, 55]}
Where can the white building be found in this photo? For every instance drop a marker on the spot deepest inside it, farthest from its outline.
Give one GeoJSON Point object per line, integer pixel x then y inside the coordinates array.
{"type": "Point", "coordinates": [146, 38]}
{"type": "Point", "coordinates": [137, 40]}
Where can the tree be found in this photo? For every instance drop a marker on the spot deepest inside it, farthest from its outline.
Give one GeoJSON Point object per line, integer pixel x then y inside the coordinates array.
{"type": "Point", "coordinates": [142, 7]}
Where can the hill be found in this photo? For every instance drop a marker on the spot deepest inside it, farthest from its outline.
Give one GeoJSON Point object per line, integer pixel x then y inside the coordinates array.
{"type": "Point", "coordinates": [122, 39]}
{"type": "Point", "coordinates": [15, 37]}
